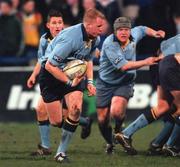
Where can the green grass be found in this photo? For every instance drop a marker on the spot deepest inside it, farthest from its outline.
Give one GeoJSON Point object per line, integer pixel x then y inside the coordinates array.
{"type": "Point", "coordinates": [17, 141]}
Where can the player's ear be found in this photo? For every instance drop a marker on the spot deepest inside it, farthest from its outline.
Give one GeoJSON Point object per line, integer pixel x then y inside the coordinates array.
{"type": "Point", "coordinates": [47, 25]}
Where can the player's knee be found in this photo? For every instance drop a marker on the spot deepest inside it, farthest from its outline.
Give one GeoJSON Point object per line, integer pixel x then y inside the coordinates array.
{"type": "Point", "coordinates": [57, 124]}
{"type": "Point", "coordinates": [117, 114]}
{"type": "Point", "coordinates": [75, 111]}
{"type": "Point", "coordinates": [162, 109]}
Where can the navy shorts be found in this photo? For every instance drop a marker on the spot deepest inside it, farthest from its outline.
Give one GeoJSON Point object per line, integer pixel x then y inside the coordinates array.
{"type": "Point", "coordinates": [53, 89]}
{"type": "Point", "coordinates": [169, 73]}
{"type": "Point", "coordinates": [154, 72]}
{"type": "Point", "coordinates": [105, 92]}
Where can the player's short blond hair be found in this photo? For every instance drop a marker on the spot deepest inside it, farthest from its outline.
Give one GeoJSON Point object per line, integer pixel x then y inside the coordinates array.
{"type": "Point", "coordinates": [92, 14]}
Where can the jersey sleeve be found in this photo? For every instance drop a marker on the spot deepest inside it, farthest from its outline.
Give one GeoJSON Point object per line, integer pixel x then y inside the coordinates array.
{"type": "Point", "coordinates": [41, 49]}
{"type": "Point", "coordinates": [63, 48]}
{"type": "Point", "coordinates": [138, 33]}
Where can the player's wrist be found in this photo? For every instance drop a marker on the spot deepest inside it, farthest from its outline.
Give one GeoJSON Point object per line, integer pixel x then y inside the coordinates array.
{"type": "Point", "coordinates": [90, 81]}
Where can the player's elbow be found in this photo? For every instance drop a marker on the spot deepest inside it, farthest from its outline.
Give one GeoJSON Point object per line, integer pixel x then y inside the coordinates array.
{"type": "Point", "coordinates": [48, 66]}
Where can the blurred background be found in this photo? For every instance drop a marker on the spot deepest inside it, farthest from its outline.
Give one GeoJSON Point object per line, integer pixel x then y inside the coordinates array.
{"type": "Point", "coordinates": [22, 22]}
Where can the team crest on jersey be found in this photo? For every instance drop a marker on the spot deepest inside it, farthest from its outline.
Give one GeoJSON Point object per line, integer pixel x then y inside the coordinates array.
{"type": "Point", "coordinates": [88, 44]}
{"type": "Point", "coordinates": [57, 58]}
{"type": "Point", "coordinates": [117, 60]}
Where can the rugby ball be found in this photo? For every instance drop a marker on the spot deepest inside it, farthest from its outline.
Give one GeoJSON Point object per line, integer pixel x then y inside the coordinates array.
{"type": "Point", "coordinates": [75, 68]}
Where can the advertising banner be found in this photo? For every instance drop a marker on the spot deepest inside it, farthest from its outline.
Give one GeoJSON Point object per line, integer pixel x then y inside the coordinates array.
{"type": "Point", "coordinates": [17, 101]}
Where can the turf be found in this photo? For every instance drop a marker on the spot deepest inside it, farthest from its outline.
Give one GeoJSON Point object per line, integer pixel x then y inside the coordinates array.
{"type": "Point", "coordinates": [17, 141]}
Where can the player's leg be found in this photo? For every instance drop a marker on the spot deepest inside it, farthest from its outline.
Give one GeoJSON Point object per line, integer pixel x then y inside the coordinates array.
{"type": "Point", "coordinates": [155, 147]}
{"type": "Point", "coordinates": [84, 122]}
{"type": "Point", "coordinates": [74, 103]}
{"type": "Point", "coordinates": [143, 120]}
{"type": "Point", "coordinates": [103, 101]}
{"type": "Point", "coordinates": [119, 103]}
{"type": "Point", "coordinates": [105, 128]}
{"type": "Point", "coordinates": [118, 109]}
{"type": "Point", "coordinates": [44, 129]}
{"type": "Point", "coordinates": [169, 148]}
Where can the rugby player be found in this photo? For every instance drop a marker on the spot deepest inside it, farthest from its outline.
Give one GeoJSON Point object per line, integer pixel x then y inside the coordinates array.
{"type": "Point", "coordinates": [76, 42]}
{"type": "Point", "coordinates": [117, 74]}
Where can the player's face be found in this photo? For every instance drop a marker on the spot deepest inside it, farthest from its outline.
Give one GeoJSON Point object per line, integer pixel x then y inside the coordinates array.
{"type": "Point", "coordinates": [123, 34]}
{"type": "Point", "coordinates": [55, 25]}
{"type": "Point", "coordinates": [95, 28]}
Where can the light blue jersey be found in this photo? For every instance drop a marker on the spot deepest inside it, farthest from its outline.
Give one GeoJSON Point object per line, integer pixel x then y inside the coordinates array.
{"type": "Point", "coordinates": [43, 43]}
{"type": "Point", "coordinates": [113, 57]}
{"type": "Point", "coordinates": [71, 43]}
{"type": "Point", "coordinates": [171, 45]}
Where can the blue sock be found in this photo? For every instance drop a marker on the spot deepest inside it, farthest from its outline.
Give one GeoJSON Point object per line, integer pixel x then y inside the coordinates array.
{"type": "Point", "coordinates": [139, 123]}
{"type": "Point", "coordinates": [69, 127]}
{"type": "Point", "coordinates": [174, 136]}
{"type": "Point", "coordinates": [44, 134]}
{"type": "Point", "coordinates": [83, 121]}
{"type": "Point", "coordinates": [66, 138]}
{"type": "Point", "coordinates": [164, 134]}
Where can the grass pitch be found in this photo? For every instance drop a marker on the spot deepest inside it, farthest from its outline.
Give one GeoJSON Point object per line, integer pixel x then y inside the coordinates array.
{"type": "Point", "coordinates": [17, 141]}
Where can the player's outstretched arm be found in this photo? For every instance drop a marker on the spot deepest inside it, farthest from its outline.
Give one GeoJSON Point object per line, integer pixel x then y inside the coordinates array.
{"type": "Point", "coordinates": [32, 79]}
{"type": "Point", "coordinates": [156, 34]}
{"type": "Point", "coordinates": [138, 64]}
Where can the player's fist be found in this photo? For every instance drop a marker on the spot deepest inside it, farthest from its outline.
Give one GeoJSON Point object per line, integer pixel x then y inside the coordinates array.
{"type": "Point", "coordinates": [159, 34]}
{"type": "Point", "coordinates": [31, 81]}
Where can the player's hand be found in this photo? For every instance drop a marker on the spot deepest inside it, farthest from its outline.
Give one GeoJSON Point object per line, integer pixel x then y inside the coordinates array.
{"type": "Point", "coordinates": [152, 60]}
{"type": "Point", "coordinates": [91, 90]}
{"type": "Point", "coordinates": [31, 81]}
{"type": "Point", "coordinates": [159, 34]}
{"type": "Point", "coordinates": [76, 81]}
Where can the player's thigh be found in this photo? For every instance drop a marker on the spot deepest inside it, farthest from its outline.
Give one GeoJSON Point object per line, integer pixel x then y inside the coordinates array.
{"type": "Point", "coordinates": [176, 100]}
{"type": "Point", "coordinates": [163, 101]}
{"type": "Point", "coordinates": [118, 106]}
{"type": "Point", "coordinates": [54, 110]}
{"type": "Point", "coordinates": [74, 103]}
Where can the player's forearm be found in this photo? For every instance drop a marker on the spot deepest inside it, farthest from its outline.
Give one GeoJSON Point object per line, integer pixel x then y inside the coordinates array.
{"type": "Point", "coordinates": [150, 32]}
{"type": "Point", "coordinates": [133, 65]}
{"type": "Point", "coordinates": [89, 72]}
{"type": "Point", "coordinates": [56, 72]}
{"type": "Point", "coordinates": [36, 69]}
{"type": "Point", "coordinates": [156, 34]}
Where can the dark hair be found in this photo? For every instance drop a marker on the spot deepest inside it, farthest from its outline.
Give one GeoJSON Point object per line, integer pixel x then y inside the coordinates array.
{"type": "Point", "coordinates": [53, 13]}
{"type": "Point", "coordinates": [9, 2]}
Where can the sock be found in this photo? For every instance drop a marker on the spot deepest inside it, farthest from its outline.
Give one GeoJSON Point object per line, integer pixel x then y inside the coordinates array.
{"type": "Point", "coordinates": [69, 127]}
{"type": "Point", "coordinates": [106, 131]}
{"type": "Point", "coordinates": [174, 136]}
{"type": "Point", "coordinates": [118, 125]}
{"type": "Point", "coordinates": [163, 136]}
{"type": "Point", "coordinates": [83, 121]}
{"type": "Point", "coordinates": [44, 130]}
{"type": "Point", "coordinates": [139, 123]}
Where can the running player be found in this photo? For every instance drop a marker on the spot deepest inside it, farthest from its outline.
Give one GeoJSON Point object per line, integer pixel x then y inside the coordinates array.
{"type": "Point", "coordinates": [117, 74]}
{"type": "Point", "coordinates": [54, 25]}
{"type": "Point", "coordinates": [76, 42]}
